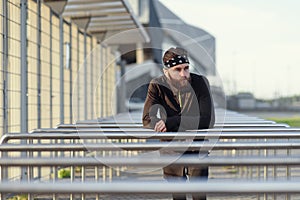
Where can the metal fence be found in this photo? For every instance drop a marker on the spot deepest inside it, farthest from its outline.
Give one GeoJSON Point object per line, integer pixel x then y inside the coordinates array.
{"type": "Point", "coordinates": [261, 161]}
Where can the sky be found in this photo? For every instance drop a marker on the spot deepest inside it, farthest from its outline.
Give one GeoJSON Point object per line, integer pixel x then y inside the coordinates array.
{"type": "Point", "coordinates": [257, 42]}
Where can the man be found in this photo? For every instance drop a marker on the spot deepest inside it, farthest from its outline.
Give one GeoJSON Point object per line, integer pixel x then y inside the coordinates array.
{"type": "Point", "coordinates": [183, 101]}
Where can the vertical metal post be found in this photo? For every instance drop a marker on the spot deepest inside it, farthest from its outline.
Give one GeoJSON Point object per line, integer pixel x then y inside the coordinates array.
{"type": "Point", "coordinates": [92, 80]}
{"type": "Point", "coordinates": [288, 171]}
{"type": "Point", "coordinates": [266, 170]}
{"type": "Point", "coordinates": [78, 78]}
{"type": "Point", "coordinates": [71, 74]}
{"type": "Point", "coordinates": [5, 66]}
{"type": "Point", "coordinates": [83, 169]}
{"type": "Point", "coordinates": [259, 168]}
{"type": "Point", "coordinates": [51, 71]}
{"type": "Point", "coordinates": [85, 78]}
{"type": "Point", "coordinates": [97, 179]}
{"type": "Point", "coordinates": [122, 89]}
{"type": "Point", "coordinates": [39, 125]}
{"type": "Point", "coordinates": [71, 107]}
{"type": "Point", "coordinates": [107, 81]}
{"type": "Point", "coordinates": [24, 81]}
{"type": "Point", "coordinates": [61, 71]}
{"type": "Point", "coordinates": [101, 81]}
{"type": "Point", "coordinates": [53, 169]}
{"type": "Point", "coordinates": [275, 171]}
{"type": "Point", "coordinates": [3, 170]}
{"type": "Point", "coordinates": [38, 63]}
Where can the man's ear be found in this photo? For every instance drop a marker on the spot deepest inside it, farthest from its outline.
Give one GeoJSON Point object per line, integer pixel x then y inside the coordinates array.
{"type": "Point", "coordinates": [166, 72]}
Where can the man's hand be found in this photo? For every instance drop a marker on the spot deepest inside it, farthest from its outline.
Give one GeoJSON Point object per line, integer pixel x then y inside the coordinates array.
{"type": "Point", "coordinates": [160, 126]}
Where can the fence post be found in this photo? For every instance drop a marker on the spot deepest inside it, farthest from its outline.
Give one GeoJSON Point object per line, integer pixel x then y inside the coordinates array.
{"type": "Point", "coordinates": [61, 62]}
{"type": "Point", "coordinates": [24, 81]}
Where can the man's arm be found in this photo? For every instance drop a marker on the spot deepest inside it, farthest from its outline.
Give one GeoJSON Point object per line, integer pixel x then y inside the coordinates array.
{"type": "Point", "coordinates": [151, 106]}
{"type": "Point", "coordinates": [207, 109]}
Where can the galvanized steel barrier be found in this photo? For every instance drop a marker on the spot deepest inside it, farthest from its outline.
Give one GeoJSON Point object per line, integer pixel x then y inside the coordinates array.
{"type": "Point", "coordinates": [247, 155]}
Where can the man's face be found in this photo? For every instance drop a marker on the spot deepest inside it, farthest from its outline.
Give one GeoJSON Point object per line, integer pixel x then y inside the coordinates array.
{"type": "Point", "coordinates": [179, 75]}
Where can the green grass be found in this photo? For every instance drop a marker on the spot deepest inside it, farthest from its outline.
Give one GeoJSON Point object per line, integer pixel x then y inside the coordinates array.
{"type": "Point", "coordinates": [292, 121]}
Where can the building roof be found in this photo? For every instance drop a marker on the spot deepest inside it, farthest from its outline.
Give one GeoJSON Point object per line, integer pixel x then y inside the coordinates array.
{"type": "Point", "coordinates": [101, 18]}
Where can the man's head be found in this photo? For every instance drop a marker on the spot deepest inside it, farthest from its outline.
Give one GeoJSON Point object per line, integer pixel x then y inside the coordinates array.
{"type": "Point", "coordinates": [176, 67]}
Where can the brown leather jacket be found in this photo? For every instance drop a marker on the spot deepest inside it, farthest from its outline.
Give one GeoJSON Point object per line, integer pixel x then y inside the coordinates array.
{"type": "Point", "coordinates": [196, 111]}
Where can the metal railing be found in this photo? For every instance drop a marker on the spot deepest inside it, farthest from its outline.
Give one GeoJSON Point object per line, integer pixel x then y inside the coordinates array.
{"type": "Point", "coordinates": [114, 149]}
{"type": "Point", "coordinates": [141, 187]}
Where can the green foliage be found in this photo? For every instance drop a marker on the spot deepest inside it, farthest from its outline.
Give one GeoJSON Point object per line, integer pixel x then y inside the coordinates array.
{"type": "Point", "coordinates": [64, 173]}
{"type": "Point", "coordinates": [291, 121]}
{"type": "Point", "coordinates": [19, 197]}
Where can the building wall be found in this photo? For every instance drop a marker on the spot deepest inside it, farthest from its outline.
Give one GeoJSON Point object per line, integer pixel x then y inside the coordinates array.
{"type": "Point", "coordinates": [57, 92]}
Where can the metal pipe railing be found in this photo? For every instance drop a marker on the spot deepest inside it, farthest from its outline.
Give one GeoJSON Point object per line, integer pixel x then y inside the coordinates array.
{"type": "Point", "coordinates": [142, 130]}
{"type": "Point", "coordinates": [114, 125]}
{"type": "Point", "coordinates": [138, 161]}
{"type": "Point", "coordinates": [203, 134]}
{"type": "Point", "coordinates": [157, 187]}
{"type": "Point", "coordinates": [178, 146]}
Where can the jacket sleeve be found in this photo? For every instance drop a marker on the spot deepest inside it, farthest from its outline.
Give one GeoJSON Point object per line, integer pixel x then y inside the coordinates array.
{"type": "Point", "coordinates": [151, 106]}
{"type": "Point", "coordinates": [207, 109]}
{"type": "Point", "coordinates": [206, 117]}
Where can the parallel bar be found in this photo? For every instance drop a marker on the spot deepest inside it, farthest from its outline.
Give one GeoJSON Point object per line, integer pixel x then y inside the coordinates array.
{"type": "Point", "coordinates": [143, 130]}
{"type": "Point", "coordinates": [132, 125]}
{"type": "Point", "coordinates": [136, 135]}
{"type": "Point", "coordinates": [157, 187]}
{"type": "Point", "coordinates": [180, 160]}
{"type": "Point", "coordinates": [178, 146]}
{"type": "Point", "coordinates": [110, 121]}
{"type": "Point", "coordinates": [96, 13]}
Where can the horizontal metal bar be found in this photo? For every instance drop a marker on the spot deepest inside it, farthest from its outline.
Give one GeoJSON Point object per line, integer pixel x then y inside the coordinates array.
{"type": "Point", "coordinates": [159, 161]}
{"type": "Point", "coordinates": [83, 6]}
{"type": "Point", "coordinates": [157, 187]}
{"type": "Point", "coordinates": [178, 146]}
{"type": "Point", "coordinates": [226, 120]}
{"type": "Point", "coordinates": [100, 125]}
{"type": "Point", "coordinates": [110, 18]}
{"type": "Point", "coordinates": [111, 23]}
{"type": "Point", "coordinates": [111, 28]}
{"type": "Point", "coordinates": [92, 13]}
{"type": "Point", "coordinates": [75, 2]}
{"type": "Point", "coordinates": [141, 130]}
{"type": "Point", "coordinates": [287, 134]}
{"type": "Point", "coordinates": [139, 122]}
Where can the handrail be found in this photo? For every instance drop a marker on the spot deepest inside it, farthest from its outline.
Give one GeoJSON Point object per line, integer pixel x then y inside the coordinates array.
{"type": "Point", "coordinates": [155, 187]}
{"type": "Point", "coordinates": [143, 130]}
{"type": "Point", "coordinates": [159, 161]}
{"type": "Point", "coordinates": [178, 146]}
{"type": "Point", "coordinates": [226, 134]}
{"type": "Point", "coordinates": [91, 126]}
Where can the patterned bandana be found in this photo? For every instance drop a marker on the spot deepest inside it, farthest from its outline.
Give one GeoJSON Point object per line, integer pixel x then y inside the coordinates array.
{"type": "Point", "coordinates": [177, 60]}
